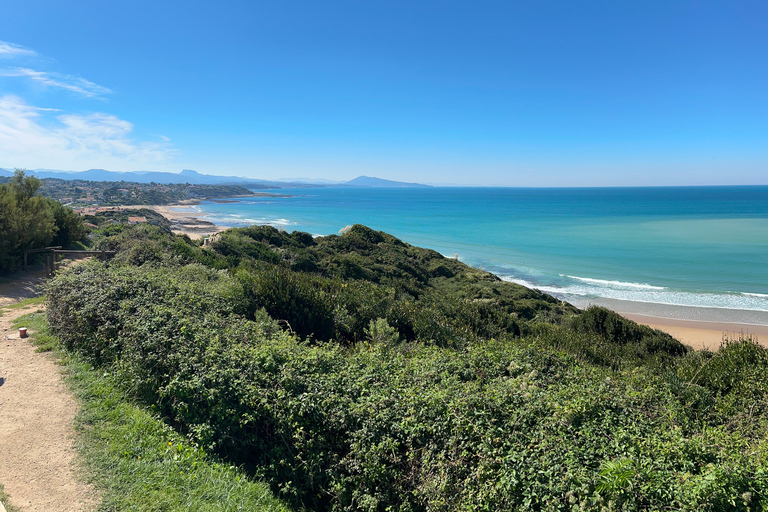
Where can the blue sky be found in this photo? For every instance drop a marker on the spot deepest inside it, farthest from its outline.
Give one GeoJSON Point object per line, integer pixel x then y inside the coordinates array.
{"type": "Point", "coordinates": [492, 93]}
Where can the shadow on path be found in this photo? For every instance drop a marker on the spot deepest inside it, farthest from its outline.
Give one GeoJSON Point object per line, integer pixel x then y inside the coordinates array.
{"type": "Point", "coordinates": [21, 285]}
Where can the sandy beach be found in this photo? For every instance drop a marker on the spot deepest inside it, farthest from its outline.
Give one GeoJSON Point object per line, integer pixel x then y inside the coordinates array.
{"type": "Point", "coordinates": [184, 219]}
{"type": "Point", "coordinates": [703, 335]}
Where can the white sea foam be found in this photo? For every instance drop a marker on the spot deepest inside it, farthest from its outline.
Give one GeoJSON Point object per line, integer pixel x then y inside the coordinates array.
{"type": "Point", "coordinates": [522, 282]}
{"type": "Point", "coordinates": [234, 219]}
{"type": "Point", "coordinates": [616, 284]}
{"type": "Point", "coordinates": [597, 288]}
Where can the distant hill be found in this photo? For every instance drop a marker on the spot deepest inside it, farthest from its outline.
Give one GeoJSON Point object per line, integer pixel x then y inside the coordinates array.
{"type": "Point", "coordinates": [310, 181]}
{"type": "Point", "coordinates": [196, 178]}
{"type": "Point", "coordinates": [185, 176]}
{"type": "Point", "coordinates": [367, 181]}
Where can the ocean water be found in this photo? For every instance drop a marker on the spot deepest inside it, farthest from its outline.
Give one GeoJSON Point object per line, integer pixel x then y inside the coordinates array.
{"type": "Point", "coordinates": [681, 246]}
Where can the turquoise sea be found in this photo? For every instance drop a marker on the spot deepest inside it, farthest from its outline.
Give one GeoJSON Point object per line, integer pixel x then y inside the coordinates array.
{"type": "Point", "coordinates": [680, 246]}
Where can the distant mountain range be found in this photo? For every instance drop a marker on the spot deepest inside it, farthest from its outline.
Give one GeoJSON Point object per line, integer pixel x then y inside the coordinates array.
{"type": "Point", "coordinates": [196, 178]}
{"type": "Point", "coordinates": [366, 181]}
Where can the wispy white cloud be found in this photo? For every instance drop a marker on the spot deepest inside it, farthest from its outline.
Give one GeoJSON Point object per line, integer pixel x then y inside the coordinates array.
{"type": "Point", "coordinates": [33, 137]}
{"type": "Point", "coordinates": [13, 50]}
{"type": "Point", "coordinates": [70, 83]}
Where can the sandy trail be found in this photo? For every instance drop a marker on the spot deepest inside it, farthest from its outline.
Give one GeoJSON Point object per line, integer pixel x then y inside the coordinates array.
{"type": "Point", "coordinates": [36, 412]}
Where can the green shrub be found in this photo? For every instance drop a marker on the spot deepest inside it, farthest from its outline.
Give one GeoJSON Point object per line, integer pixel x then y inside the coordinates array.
{"type": "Point", "coordinates": [614, 328]}
{"type": "Point", "coordinates": [727, 386]}
{"type": "Point", "coordinates": [300, 300]}
{"type": "Point", "coordinates": [379, 331]}
{"type": "Point", "coordinates": [90, 306]}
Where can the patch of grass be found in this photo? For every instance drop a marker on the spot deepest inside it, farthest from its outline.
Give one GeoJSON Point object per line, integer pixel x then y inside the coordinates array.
{"type": "Point", "coordinates": [26, 302]}
{"type": "Point", "coordinates": [23, 304]}
{"type": "Point", "coordinates": [139, 463]}
{"type": "Point", "coordinates": [37, 326]}
{"type": "Point", "coordinates": [4, 501]}
{"type": "Point", "coordinates": [136, 461]}
{"type": "Point", "coordinates": [78, 245]}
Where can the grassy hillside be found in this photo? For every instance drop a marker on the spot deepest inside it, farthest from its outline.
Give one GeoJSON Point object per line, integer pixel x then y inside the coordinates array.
{"type": "Point", "coordinates": [357, 372]}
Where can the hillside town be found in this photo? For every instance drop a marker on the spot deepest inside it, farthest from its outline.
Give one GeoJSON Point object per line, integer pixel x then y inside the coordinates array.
{"type": "Point", "coordinates": [110, 193]}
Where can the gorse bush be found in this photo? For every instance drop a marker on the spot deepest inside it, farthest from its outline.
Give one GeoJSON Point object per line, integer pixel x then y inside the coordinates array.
{"type": "Point", "coordinates": [618, 330]}
{"type": "Point", "coordinates": [390, 378]}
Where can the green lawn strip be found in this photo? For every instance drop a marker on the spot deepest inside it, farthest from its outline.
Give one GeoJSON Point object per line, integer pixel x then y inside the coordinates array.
{"type": "Point", "coordinates": [136, 461]}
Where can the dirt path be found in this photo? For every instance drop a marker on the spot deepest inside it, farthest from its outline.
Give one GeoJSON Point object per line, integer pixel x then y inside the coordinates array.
{"type": "Point", "coordinates": [23, 285]}
{"type": "Point", "coordinates": [36, 413]}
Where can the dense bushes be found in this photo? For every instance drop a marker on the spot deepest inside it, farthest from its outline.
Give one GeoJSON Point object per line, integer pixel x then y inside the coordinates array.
{"type": "Point", "coordinates": [492, 425]}
{"type": "Point", "coordinates": [602, 337]}
{"type": "Point", "coordinates": [93, 307]}
{"type": "Point", "coordinates": [379, 399]}
{"type": "Point", "coordinates": [617, 329]}
{"type": "Point", "coordinates": [377, 257]}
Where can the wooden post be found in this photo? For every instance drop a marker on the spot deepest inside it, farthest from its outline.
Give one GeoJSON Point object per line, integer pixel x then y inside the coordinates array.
{"type": "Point", "coordinates": [24, 265]}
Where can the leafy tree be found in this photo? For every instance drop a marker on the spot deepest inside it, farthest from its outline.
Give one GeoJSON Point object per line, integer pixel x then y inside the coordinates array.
{"type": "Point", "coordinates": [70, 227]}
{"type": "Point", "coordinates": [28, 220]}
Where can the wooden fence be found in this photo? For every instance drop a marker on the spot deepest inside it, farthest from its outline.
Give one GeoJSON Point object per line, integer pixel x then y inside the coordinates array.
{"type": "Point", "coordinates": [53, 252]}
